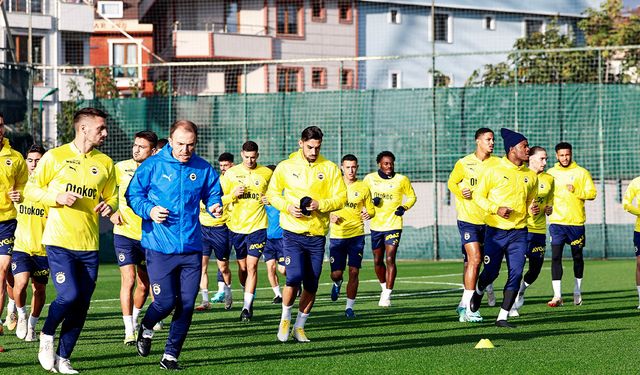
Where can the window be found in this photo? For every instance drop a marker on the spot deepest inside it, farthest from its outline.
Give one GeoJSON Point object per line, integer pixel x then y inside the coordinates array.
{"type": "Point", "coordinates": [73, 52]}
{"type": "Point", "coordinates": [442, 30]}
{"type": "Point", "coordinates": [125, 54]}
{"type": "Point", "coordinates": [318, 11]}
{"type": "Point", "coordinates": [319, 78]}
{"type": "Point", "coordinates": [489, 23]}
{"type": "Point", "coordinates": [346, 80]}
{"type": "Point", "coordinates": [394, 16]}
{"type": "Point", "coordinates": [290, 79]}
{"type": "Point", "coordinates": [110, 9]}
{"type": "Point", "coordinates": [289, 17]}
{"type": "Point", "coordinates": [231, 16]}
{"type": "Point", "coordinates": [22, 6]}
{"type": "Point", "coordinates": [533, 26]}
{"type": "Point", "coordinates": [345, 11]}
{"type": "Point", "coordinates": [22, 52]}
{"type": "Point", "coordinates": [395, 79]}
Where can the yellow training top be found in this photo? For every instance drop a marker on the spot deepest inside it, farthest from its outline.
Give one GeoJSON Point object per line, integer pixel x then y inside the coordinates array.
{"type": "Point", "coordinates": [352, 225]}
{"type": "Point", "coordinates": [248, 214]}
{"type": "Point", "coordinates": [507, 185]}
{"type": "Point", "coordinates": [568, 207]}
{"type": "Point", "coordinates": [91, 175]}
{"type": "Point", "coordinates": [131, 223]}
{"type": "Point", "coordinates": [13, 176]}
{"type": "Point", "coordinates": [465, 174]}
{"type": "Point", "coordinates": [538, 223]}
{"type": "Point", "coordinates": [633, 192]}
{"type": "Point", "coordinates": [298, 178]}
{"type": "Point", "coordinates": [32, 218]}
{"type": "Point", "coordinates": [391, 191]}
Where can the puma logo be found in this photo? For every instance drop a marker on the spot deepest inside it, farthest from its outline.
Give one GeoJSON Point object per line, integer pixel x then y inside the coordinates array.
{"type": "Point", "coordinates": [167, 177]}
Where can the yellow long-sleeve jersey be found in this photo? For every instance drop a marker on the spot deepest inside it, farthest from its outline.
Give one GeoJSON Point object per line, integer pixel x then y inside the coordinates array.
{"type": "Point", "coordinates": [568, 207]}
{"type": "Point", "coordinates": [248, 214]}
{"type": "Point", "coordinates": [92, 176]}
{"type": "Point", "coordinates": [32, 218]}
{"type": "Point", "coordinates": [296, 178]}
{"type": "Point", "coordinates": [633, 192]}
{"type": "Point", "coordinates": [392, 192]}
{"type": "Point", "coordinates": [538, 223]}
{"type": "Point", "coordinates": [13, 176]}
{"type": "Point", "coordinates": [507, 185]}
{"type": "Point", "coordinates": [209, 221]}
{"type": "Point", "coordinates": [465, 174]}
{"type": "Point", "coordinates": [131, 223]}
{"type": "Point", "coordinates": [351, 223]}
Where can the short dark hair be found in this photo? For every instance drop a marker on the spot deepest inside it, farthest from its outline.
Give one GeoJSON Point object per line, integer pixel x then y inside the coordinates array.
{"type": "Point", "coordinates": [272, 167]}
{"type": "Point", "coordinates": [88, 112]}
{"type": "Point", "coordinates": [36, 148]}
{"type": "Point", "coordinates": [482, 131]}
{"type": "Point", "coordinates": [563, 146]}
{"type": "Point", "coordinates": [384, 154]}
{"type": "Point", "coordinates": [349, 157]}
{"type": "Point", "coordinates": [311, 132]}
{"type": "Point", "coordinates": [149, 136]}
{"type": "Point", "coordinates": [186, 124]}
{"type": "Point", "coordinates": [534, 149]}
{"type": "Point", "coordinates": [225, 156]}
{"type": "Point", "coordinates": [250, 146]}
{"type": "Point", "coordinates": [161, 143]}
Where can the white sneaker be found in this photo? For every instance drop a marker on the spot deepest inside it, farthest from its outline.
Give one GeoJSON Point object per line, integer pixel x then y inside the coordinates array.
{"type": "Point", "coordinates": [63, 366]}
{"type": "Point", "coordinates": [513, 312]}
{"type": "Point", "coordinates": [519, 302]}
{"type": "Point", "coordinates": [158, 326]}
{"type": "Point", "coordinates": [385, 300]}
{"type": "Point", "coordinates": [283, 330]}
{"type": "Point", "coordinates": [12, 320]}
{"type": "Point", "coordinates": [21, 328]}
{"type": "Point", "coordinates": [46, 354]}
{"type": "Point", "coordinates": [299, 335]}
{"type": "Point", "coordinates": [31, 335]}
{"type": "Point", "coordinates": [491, 297]}
{"type": "Point", "coordinates": [228, 300]}
{"type": "Point", "coordinates": [577, 299]}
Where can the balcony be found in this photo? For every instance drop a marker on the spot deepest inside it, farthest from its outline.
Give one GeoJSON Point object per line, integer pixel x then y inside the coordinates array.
{"type": "Point", "coordinates": [76, 15]}
{"type": "Point", "coordinates": [190, 44]}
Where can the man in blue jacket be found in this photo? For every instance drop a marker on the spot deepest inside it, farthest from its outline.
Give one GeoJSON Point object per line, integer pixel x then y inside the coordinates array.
{"type": "Point", "coordinates": [166, 191]}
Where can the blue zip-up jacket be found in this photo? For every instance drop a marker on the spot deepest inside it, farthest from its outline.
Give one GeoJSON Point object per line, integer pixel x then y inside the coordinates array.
{"type": "Point", "coordinates": [274, 231]}
{"type": "Point", "coordinates": [179, 187]}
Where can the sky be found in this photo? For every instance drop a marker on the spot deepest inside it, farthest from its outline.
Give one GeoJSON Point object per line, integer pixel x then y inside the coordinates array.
{"type": "Point", "coordinates": [631, 4]}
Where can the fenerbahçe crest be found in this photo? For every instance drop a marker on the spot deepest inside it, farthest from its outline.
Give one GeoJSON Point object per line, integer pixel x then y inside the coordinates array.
{"type": "Point", "coordinates": [121, 257]}
{"type": "Point", "coordinates": [287, 260]}
{"type": "Point", "coordinates": [156, 289]}
{"type": "Point", "coordinates": [8, 162]}
{"type": "Point", "coordinates": [487, 259]}
{"type": "Point", "coordinates": [320, 176]}
{"type": "Point", "coordinates": [192, 176]}
{"type": "Point", "coordinates": [60, 277]}
{"type": "Point", "coordinates": [94, 170]}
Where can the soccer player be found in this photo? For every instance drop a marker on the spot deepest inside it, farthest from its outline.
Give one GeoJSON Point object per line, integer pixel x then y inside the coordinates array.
{"type": "Point", "coordinates": [273, 256]}
{"type": "Point", "coordinates": [244, 186]}
{"type": "Point", "coordinates": [347, 233]}
{"type": "Point", "coordinates": [305, 188]}
{"type": "Point", "coordinates": [127, 232]}
{"type": "Point", "coordinates": [166, 192]}
{"type": "Point", "coordinates": [78, 183]}
{"type": "Point", "coordinates": [536, 224]}
{"type": "Point", "coordinates": [507, 192]}
{"type": "Point", "coordinates": [13, 179]}
{"type": "Point", "coordinates": [388, 190]}
{"type": "Point", "coordinates": [30, 257]}
{"type": "Point", "coordinates": [573, 186]}
{"type": "Point", "coordinates": [463, 180]}
{"type": "Point", "coordinates": [632, 193]}
{"type": "Point", "coordinates": [215, 238]}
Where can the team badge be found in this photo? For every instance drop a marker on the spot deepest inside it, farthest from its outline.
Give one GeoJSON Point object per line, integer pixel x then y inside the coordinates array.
{"type": "Point", "coordinates": [256, 182]}
{"type": "Point", "coordinates": [356, 194]}
{"type": "Point", "coordinates": [287, 260]}
{"type": "Point", "coordinates": [331, 260]}
{"type": "Point", "coordinates": [60, 277]}
{"type": "Point", "coordinates": [541, 186]}
{"type": "Point", "coordinates": [121, 257]}
{"type": "Point", "coordinates": [14, 266]}
{"type": "Point", "coordinates": [526, 180]}
{"type": "Point", "coordinates": [156, 289]}
{"type": "Point", "coordinates": [8, 162]}
{"type": "Point", "coordinates": [320, 176]}
{"type": "Point", "coordinates": [487, 259]}
{"type": "Point", "coordinates": [94, 171]}
{"type": "Point", "coordinates": [192, 176]}
{"type": "Point", "coordinates": [467, 236]}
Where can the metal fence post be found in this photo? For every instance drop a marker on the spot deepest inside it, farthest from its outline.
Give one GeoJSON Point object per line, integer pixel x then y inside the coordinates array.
{"type": "Point", "coordinates": [516, 124]}
{"type": "Point", "coordinates": [603, 225]}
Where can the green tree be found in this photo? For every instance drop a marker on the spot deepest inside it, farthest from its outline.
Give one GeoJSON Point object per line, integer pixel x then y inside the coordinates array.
{"type": "Point", "coordinates": [68, 109]}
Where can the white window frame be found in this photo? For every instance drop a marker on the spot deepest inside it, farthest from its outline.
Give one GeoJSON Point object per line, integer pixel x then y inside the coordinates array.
{"type": "Point", "coordinates": [492, 24]}
{"type": "Point", "coordinates": [569, 30]}
{"type": "Point", "coordinates": [120, 12]}
{"type": "Point", "coordinates": [398, 16]}
{"type": "Point", "coordinates": [524, 24]}
{"type": "Point", "coordinates": [125, 81]}
{"type": "Point", "coordinates": [398, 73]}
{"type": "Point", "coordinates": [449, 28]}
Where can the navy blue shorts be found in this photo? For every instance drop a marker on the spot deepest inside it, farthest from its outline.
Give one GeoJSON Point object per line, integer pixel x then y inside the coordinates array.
{"type": "Point", "coordinates": [249, 244]}
{"type": "Point", "coordinates": [470, 233]}
{"type": "Point", "coordinates": [7, 231]}
{"type": "Point", "coordinates": [499, 244]}
{"type": "Point", "coordinates": [567, 234]}
{"type": "Point", "coordinates": [537, 244]}
{"type": "Point", "coordinates": [216, 239]}
{"type": "Point", "coordinates": [340, 248]}
{"type": "Point", "coordinates": [636, 242]}
{"type": "Point", "coordinates": [303, 257]}
{"type": "Point", "coordinates": [128, 251]}
{"type": "Point", "coordinates": [380, 239]}
{"type": "Point", "coordinates": [36, 265]}
{"type": "Point", "coordinates": [273, 251]}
